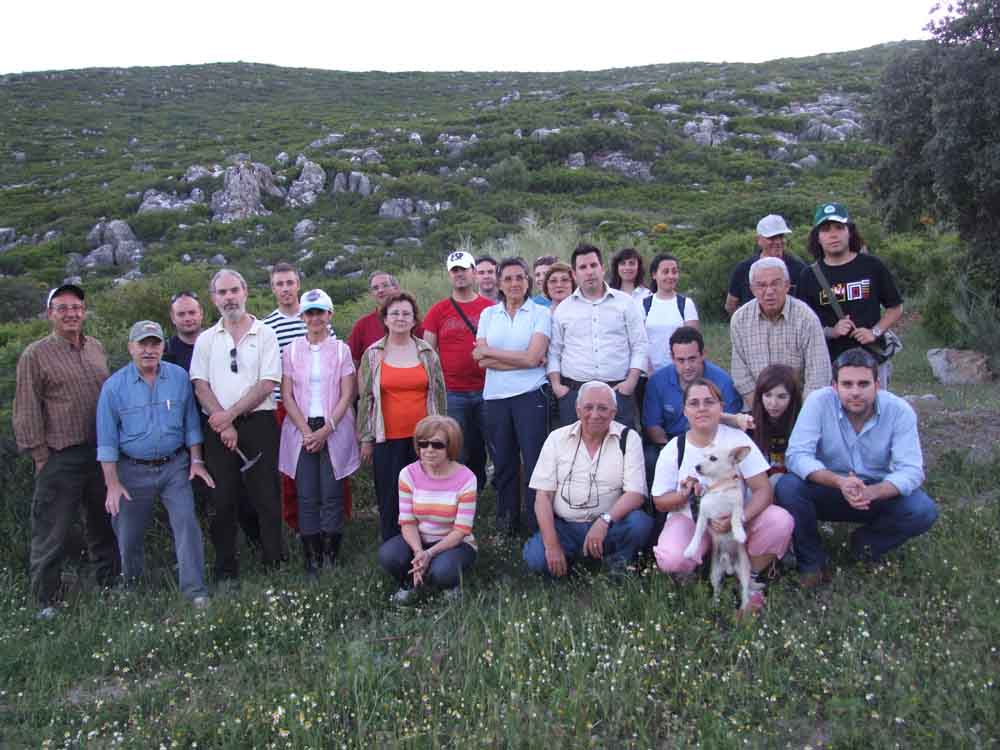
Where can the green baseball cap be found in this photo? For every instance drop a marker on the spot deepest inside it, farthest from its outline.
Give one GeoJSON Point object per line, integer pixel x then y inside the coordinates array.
{"type": "Point", "coordinates": [831, 212]}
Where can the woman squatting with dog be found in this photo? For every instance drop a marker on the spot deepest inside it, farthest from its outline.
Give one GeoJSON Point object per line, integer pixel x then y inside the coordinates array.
{"type": "Point", "coordinates": [768, 527]}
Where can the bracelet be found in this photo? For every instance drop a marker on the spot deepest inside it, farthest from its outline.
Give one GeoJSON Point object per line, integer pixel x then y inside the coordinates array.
{"type": "Point", "coordinates": [197, 461]}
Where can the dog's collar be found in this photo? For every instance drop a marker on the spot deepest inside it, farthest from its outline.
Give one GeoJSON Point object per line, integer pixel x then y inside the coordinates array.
{"type": "Point", "coordinates": [734, 480]}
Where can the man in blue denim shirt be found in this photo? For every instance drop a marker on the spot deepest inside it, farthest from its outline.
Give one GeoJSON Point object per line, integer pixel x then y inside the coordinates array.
{"type": "Point", "coordinates": [149, 443]}
{"type": "Point", "coordinates": [854, 454]}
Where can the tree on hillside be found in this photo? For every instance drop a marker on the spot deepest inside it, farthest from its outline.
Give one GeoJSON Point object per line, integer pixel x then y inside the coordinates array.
{"type": "Point", "coordinates": [937, 109]}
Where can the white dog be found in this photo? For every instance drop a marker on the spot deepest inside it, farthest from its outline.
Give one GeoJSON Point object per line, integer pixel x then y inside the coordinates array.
{"type": "Point", "coordinates": [723, 496]}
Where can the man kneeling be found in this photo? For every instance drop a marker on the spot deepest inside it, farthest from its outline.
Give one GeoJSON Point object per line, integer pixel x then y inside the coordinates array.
{"type": "Point", "coordinates": [854, 455]}
{"type": "Point", "coordinates": [589, 486]}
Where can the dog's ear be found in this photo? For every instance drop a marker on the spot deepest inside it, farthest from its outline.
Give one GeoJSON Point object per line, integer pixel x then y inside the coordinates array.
{"type": "Point", "coordinates": [738, 454]}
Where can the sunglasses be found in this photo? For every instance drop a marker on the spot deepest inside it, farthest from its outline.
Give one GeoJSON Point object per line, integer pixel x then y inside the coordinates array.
{"type": "Point", "coordinates": [435, 444]}
{"type": "Point", "coordinates": [182, 295]}
{"type": "Point", "coordinates": [232, 360]}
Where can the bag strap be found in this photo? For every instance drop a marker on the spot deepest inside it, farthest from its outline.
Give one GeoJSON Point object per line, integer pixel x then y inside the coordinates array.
{"type": "Point", "coordinates": [464, 316]}
{"type": "Point", "coordinates": [647, 303]}
{"type": "Point", "coordinates": [681, 299]}
{"type": "Point", "coordinates": [821, 278]}
{"type": "Point", "coordinates": [623, 440]}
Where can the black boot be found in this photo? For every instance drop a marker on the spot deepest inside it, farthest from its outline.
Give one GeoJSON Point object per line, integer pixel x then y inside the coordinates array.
{"type": "Point", "coordinates": [312, 551]}
{"type": "Point", "coordinates": [332, 547]}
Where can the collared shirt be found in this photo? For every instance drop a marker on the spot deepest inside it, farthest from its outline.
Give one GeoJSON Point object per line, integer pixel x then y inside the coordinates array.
{"type": "Point", "coordinates": [146, 422]}
{"type": "Point", "coordinates": [287, 328]}
{"type": "Point", "coordinates": [886, 449]}
{"type": "Point", "coordinates": [586, 487]}
{"type": "Point", "coordinates": [501, 331]}
{"type": "Point", "coordinates": [597, 339]}
{"type": "Point", "coordinates": [257, 359]}
{"type": "Point", "coordinates": [56, 394]}
{"type": "Point", "coordinates": [794, 339]}
{"type": "Point", "coordinates": [664, 402]}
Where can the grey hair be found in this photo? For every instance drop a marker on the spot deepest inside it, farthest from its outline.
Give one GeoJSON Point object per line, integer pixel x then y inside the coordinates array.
{"type": "Point", "coordinates": [600, 385]}
{"type": "Point", "coordinates": [223, 272]}
{"type": "Point", "coordinates": [392, 279]}
{"type": "Point", "coordinates": [764, 263]}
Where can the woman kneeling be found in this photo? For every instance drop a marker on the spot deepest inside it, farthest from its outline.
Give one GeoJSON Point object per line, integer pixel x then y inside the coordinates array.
{"type": "Point", "coordinates": [768, 527]}
{"type": "Point", "coordinates": [437, 506]}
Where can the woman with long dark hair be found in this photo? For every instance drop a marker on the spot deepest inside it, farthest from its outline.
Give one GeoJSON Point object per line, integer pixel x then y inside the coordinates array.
{"type": "Point", "coordinates": [628, 271]}
{"type": "Point", "coordinates": [777, 400]}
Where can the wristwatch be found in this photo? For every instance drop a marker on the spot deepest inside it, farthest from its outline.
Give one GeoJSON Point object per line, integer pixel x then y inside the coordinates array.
{"type": "Point", "coordinates": [876, 331]}
{"type": "Point", "coordinates": [606, 517]}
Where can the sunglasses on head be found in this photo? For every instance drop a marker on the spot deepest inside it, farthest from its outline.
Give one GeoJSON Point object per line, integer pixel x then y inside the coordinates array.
{"type": "Point", "coordinates": [435, 444]}
{"type": "Point", "coordinates": [182, 295]}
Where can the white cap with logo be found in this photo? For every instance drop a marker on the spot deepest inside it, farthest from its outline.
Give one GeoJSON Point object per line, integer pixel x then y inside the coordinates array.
{"type": "Point", "coordinates": [772, 225]}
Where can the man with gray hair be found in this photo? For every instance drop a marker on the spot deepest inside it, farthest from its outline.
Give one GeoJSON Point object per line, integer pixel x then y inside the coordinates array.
{"type": "Point", "coordinates": [368, 328]}
{"type": "Point", "coordinates": [772, 233]}
{"type": "Point", "coordinates": [589, 485]}
{"type": "Point", "coordinates": [234, 369]}
{"type": "Point", "coordinates": [776, 329]}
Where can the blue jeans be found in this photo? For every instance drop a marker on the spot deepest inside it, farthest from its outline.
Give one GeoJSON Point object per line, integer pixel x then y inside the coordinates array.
{"type": "Point", "coordinates": [621, 545]}
{"type": "Point", "coordinates": [887, 523]}
{"type": "Point", "coordinates": [625, 415]}
{"type": "Point", "coordinates": [517, 430]}
{"type": "Point", "coordinates": [466, 408]}
{"type": "Point", "coordinates": [170, 482]}
{"type": "Point", "coordinates": [445, 571]}
{"type": "Point", "coordinates": [321, 495]}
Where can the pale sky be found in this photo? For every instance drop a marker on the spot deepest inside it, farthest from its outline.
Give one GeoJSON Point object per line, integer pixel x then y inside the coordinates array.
{"type": "Point", "coordinates": [524, 35]}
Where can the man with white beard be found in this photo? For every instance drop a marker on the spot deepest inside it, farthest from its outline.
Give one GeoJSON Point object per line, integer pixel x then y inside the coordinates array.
{"type": "Point", "coordinates": [234, 369]}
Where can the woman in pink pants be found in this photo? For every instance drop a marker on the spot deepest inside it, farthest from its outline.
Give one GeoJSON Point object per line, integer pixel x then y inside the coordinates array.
{"type": "Point", "coordinates": [768, 527]}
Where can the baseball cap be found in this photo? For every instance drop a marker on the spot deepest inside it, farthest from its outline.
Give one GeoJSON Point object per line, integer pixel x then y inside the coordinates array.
{"type": "Point", "coordinates": [315, 299]}
{"type": "Point", "coordinates": [831, 212]}
{"type": "Point", "coordinates": [772, 225]}
{"type": "Point", "coordinates": [146, 329]}
{"type": "Point", "coordinates": [460, 259]}
{"type": "Point", "coordinates": [71, 288]}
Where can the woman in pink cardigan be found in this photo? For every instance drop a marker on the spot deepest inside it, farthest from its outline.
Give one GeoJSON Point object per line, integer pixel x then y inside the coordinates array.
{"type": "Point", "coordinates": [319, 449]}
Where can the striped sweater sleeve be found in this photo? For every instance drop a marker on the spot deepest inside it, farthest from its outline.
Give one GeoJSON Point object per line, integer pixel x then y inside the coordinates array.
{"type": "Point", "coordinates": [406, 515]}
{"type": "Point", "coordinates": [466, 512]}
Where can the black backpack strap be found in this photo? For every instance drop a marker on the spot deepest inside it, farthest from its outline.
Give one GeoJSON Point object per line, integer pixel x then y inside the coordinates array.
{"type": "Point", "coordinates": [647, 303]}
{"type": "Point", "coordinates": [681, 442]}
{"type": "Point", "coordinates": [623, 440]}
{"type": "Point", "coordinates": [681, 299]}
{"type": "Point", "coordinates": [464, 316]}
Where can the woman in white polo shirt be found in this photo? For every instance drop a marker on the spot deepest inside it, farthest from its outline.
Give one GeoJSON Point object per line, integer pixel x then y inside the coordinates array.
{"type": "Point", "coordinates": [511, 344]}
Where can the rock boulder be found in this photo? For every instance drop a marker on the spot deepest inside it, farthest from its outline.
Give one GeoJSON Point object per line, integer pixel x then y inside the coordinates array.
{"type": "Point", "coordinates": [959, 366]}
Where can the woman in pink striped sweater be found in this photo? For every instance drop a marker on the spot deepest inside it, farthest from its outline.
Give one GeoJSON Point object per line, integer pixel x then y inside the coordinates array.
{"type": "Point", "coordinates": [437, 506]}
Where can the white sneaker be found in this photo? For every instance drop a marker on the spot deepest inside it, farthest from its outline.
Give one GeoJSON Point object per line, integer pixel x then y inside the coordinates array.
{"type": "Point", "coordinates": [47, 613]}
{"type": "Point", "coordinates": [200, 602]}
{"type": "Point", "coordinates": [404, 596]}
{"type": "Point", "coordinates": [453, 595]}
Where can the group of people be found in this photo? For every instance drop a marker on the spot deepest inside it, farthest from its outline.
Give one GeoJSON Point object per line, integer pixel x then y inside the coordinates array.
{"type": "Point", "coordinates": [593, 399]}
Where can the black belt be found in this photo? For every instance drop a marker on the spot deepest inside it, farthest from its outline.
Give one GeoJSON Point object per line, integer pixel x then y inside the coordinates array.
{"type": "Point", "coordinates": [576, 384]}
{"type": "Point", "coordinates": [315, 423]}
{"type": "Point", "coordinates": [156, 461]}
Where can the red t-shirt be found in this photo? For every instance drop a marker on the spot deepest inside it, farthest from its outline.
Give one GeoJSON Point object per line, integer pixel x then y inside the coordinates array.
{"type": "Point", "coordinates": [455, 342]}
{"type": "Point", "coordinates": [367, 331]}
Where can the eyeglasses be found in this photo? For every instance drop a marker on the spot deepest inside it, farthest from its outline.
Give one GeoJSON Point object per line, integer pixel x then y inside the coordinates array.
{"type": "Point", "coordinates": [582, 484]}
{"type": "Point", "coordinates": [63, 309]}
{"type": "Point", "coordinates": [380, 287]}
{"type": "Point", "coordinates": [182, 295]}
{"type": "Point", "coordinates": [399, 314]}
{"type": "Point", "coordinates": [774, 285]}
{"type": "Point", "coordinates": [435, 444]}
{"type": "Point", "coordinates": [232, 360]}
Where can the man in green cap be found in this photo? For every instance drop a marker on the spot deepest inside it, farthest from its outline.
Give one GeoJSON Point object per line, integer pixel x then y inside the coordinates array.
{"type": "Point", "coordinates": [858, 283]}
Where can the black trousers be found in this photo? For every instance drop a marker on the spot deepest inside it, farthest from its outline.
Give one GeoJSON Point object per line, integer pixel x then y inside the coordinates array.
{"type": "Point", "coordinates": [70, 478]}
{"type": "Point", "coordinates": [258, 435]}
{"type": "Point", "coordinates": [389, 459]}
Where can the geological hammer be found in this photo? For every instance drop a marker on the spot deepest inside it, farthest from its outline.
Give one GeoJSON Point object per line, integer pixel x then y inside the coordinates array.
{"type": "Point", "coordinates": [248, 463]}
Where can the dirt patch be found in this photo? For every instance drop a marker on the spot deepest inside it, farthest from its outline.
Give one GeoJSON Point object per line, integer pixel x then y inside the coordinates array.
{"type": "Point", "coordinates": [973, 432]}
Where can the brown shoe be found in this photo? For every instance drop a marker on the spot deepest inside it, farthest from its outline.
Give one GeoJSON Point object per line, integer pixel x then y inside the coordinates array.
{"type": "Point", "coordinates": [815, 579]}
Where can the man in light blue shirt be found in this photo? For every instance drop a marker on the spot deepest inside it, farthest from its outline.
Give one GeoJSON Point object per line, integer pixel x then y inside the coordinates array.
{"type": "Point", "coordinates": [663, 406]}
{"type": "Point", "coordinates": [149, 443]}
{"type": "Point", "coordinates": [854, 455]}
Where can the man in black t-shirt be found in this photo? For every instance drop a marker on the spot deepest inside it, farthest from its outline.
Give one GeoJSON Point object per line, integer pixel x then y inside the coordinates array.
{"type": "Point", "coordinates": [186, 315]}
{"type": "Point", "coordinates": [772, 233]}
{"type": "Point", "coordinates": [861, 283]}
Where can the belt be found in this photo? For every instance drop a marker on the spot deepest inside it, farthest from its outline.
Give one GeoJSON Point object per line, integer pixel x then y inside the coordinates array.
{"type": "Point", "coordinates": [156, 461]}
{"type": "Point", "coordinates": [576, 384]}
{"type": "Point", "coordinates": [315, 423]}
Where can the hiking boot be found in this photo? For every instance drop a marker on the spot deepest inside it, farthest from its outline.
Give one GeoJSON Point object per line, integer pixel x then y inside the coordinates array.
{"type": "Point", "coordinates": [330, 549]}
{"type": "Point", "coordinates": [404, 596]}
{"type": "Point", "coordinates": [47, 613]}
{"type": "Point", "coordinates": [312, 550]}
{"type": "Point", "coordinates": [453, 595]}
{"type": "Point", "coordinates": [200, 602]}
